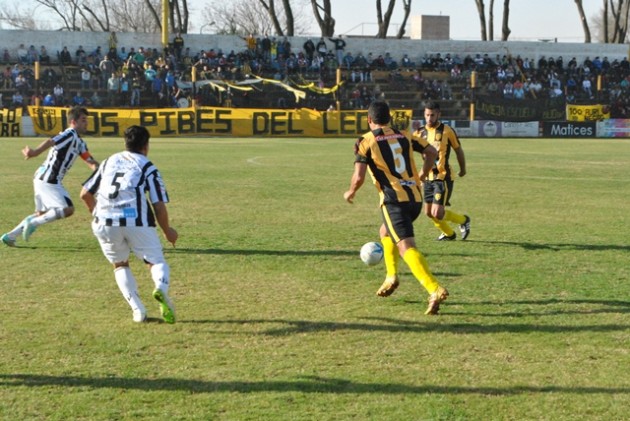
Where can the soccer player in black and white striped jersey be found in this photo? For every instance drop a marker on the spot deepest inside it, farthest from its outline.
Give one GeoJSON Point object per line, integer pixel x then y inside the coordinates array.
{"type": "Point", "coordinates": [52, 201]}
{"type": "Point", "coordinates": [124, 220]}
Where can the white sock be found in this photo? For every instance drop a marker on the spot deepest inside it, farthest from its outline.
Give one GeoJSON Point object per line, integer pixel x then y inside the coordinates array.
{"type": "Point", "coordinates": [50, 215]}
{"type": "Point", "coordinates": [17, 231]}
{"type": "Point", "coordinates": [129, 287]}
{"type": "Point", "coordinates": [161, 273]}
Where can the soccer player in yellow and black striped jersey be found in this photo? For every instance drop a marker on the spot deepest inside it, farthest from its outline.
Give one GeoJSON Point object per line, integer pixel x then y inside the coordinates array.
{"type": "Point", "coordinates": [439, 185]}
{"type": "Point", "coordinates": [388, 156]}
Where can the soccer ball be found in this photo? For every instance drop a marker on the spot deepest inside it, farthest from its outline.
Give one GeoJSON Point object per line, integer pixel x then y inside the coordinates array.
{"type": "Point", "coordinates": [371, 253]}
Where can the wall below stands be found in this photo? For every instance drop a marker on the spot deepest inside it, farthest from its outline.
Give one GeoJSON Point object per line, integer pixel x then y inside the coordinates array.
{"type": "Point", "coordinates": [54, 41]}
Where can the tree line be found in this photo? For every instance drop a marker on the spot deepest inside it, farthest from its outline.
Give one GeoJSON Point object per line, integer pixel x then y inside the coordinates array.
{"type": "Point", "coordinates": [277, 18]}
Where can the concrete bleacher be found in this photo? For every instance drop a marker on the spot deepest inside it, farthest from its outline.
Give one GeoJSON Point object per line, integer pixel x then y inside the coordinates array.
{"type": "Point", "coordinates": [399, 90]}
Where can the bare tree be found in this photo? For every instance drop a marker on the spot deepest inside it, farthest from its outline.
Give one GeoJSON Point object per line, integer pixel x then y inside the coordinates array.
{"type": "Point", "coordinates": [270, 7]}
{"type": "Point", "coordinates": [611, 25]}
{"type": "Point", "coordinates": [290, 20]}
{"type": "Point", "coordinates": [605, 19]}
{"type": "Point", "coordinates": [407, 9]}
{"type": "Point", "coordinates": [481, 10]}
{"type": "Point", "coordinates": [91, 15]}
{"type": "Point", "coordinates": [587, 31]}
{"type": "Point", "coordinates": [505, 30]}
{"type": "Point", "coordinates": [383, 20]}
{"type": "Point", "coordinates": [491, 21]}
{"type": "Point", "coordinates": [324, 17]}
{"type": "Point", "coordinates": [244, 17]}
{"type": "Point", "coordinates": [620, 12]}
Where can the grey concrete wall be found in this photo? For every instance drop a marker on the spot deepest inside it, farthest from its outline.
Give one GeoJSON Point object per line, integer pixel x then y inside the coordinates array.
{"type": "Point", "coordinates": [56, 40]}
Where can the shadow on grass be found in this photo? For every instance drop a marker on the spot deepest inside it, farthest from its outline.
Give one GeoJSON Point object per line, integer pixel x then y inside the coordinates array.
{"type": "Point", "coordinates": [265, 252]}
{"type": "Point", "coordinates": [292, 327]}
{"type": "Point", "coordinates": [604, 307]}
{"type": "Point", "coordinates": [305, 384]}
{"type": "Point", "coordinates": [557, 247]}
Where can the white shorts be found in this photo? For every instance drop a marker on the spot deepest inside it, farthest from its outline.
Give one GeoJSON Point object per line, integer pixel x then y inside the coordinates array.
{"type": "Point", "coordinates": [50, 196]}
{"type": "Point", "coordinates": [118, 242]}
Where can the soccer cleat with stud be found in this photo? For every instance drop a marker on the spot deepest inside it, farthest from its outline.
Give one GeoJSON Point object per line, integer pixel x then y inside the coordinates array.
{"type": "Point", "coordinates": [389, 286]}
{"type": "Point", "coordinates": [444, 237]}
{"type": "Point", "coordinates": [166, 306]}
{"type": "Point", "coordinates": [7, 240]}
{"type": "Point", "coordinates": [465, 228]}
{"type": "Point", "coordinates": [28, 229]}
{"type": "Point", "coordinates": [435, 299]}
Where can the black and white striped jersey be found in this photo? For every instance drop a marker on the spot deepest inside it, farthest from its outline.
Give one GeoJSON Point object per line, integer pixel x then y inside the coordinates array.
{"type": "Point", "coordinates": [124, 186]}
{"type": "Point", "coordinates": [68, 145]}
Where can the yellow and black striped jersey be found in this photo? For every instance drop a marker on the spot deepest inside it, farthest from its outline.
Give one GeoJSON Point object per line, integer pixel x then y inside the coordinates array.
{"type": "Point", "coordinates": [443, 138]}
{"type": "Point", "coordinates": [388, 154]}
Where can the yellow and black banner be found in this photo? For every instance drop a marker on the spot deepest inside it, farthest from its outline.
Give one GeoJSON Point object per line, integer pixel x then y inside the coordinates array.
{"type": "Point", "coordinates": [10, 122]}
{"type": "Point", "coordinates": [594, 112]}
{"type": "Point", "coordinates": [209, 121]}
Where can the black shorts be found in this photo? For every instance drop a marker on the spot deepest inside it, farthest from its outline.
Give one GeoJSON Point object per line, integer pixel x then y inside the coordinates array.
{"type": "Point", "coordinates": [438, 192]}
{"type": "Point", "coordinates": [399, 217]}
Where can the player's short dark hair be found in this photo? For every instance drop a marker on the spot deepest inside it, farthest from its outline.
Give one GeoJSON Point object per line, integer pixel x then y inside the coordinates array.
{"type": "Point", "coordinates": [76, 112]}
{"type": "Point", "coordinates": [379, 112]}
{"type": "Point", "coordinates": [136, 138]}
{"type": "Point", "coordinates": [432, 105]}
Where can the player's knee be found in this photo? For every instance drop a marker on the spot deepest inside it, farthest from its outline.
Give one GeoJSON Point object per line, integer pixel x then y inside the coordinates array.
{"type": "Point", "coordinates": [69, 211]}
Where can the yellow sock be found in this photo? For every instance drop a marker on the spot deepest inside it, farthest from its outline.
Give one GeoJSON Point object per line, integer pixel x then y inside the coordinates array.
{"type": "Point", "coordinates": [443, 226]}
{"type": "Point", "coordinates": [454, 217]}
{"type": "Point", "coordinates": [390, 255]}
{"type": "Point", "coordinates": [420, 269]}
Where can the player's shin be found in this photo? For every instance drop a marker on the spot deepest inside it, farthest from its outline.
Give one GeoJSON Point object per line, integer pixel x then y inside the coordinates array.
{"type": "Point", "coordinates": [443, 226]}
{"type": "Point", "coordinates": [454, 217]}
{"type": "Point", "coordinates": [390, 255]}
{"type": "Point", "coordinates": [420, 269]}
{"type": "Point", "coordinates": [128, 287]}
{"type": "Point", "coordinates": [49, 216]}
{"type": "Point", "coordinates": [161, 274]}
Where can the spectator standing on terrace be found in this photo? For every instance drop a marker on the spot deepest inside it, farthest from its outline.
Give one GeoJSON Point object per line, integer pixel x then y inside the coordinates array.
{"type": "Point", "coordinates": [340, 45]}
{"type": "Point", "coordinates": [33, 55]}
{"type": "Point", "coordinates": [178, 45]}
{"type": "Point", "coordinates": [309, 49]}
{"type": "Point", "coordinates": [440, 179]}
{"type": "Point", "coordinates": [86, 76]}
{"type": "Point", "coordinates": [22, 53]}
{"type": "Point", "coordinates": [106, 67]}
{"type": "Point", "coordinates": [44, 58]}
{"type": "Point", "coordinates": [113, 88]}
{"type": "Point", "coordinates": [322, 48]}
{"type": "Point", "coordinates": [64, 57]}
{"type": "Point", "coordinates": [58, 91]}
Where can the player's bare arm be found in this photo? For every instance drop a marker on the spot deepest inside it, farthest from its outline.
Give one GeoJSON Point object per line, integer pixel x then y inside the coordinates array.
{"type": "Point", "coordinates": [90, 161]}
{"type": "Point", "coordinates": [161, 214]}
{"type": "Point", "coordinates": [461, 160]}
{"type": "Point", "coordinates": [358, 177]}
{"type": "Point", "coordinates": [429, 154]}
{"type": "Point", "coordinates": [88, 199]}
{"type": "Point", "coordinates": [27, 152]}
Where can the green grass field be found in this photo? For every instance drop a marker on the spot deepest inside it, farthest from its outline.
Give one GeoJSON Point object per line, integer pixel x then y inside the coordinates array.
{"type": "Point", "coordinates": [278, 318]}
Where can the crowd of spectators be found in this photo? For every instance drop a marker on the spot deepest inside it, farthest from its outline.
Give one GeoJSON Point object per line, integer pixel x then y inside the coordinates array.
{"type": "Point", "coordinates": [148, 77]}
